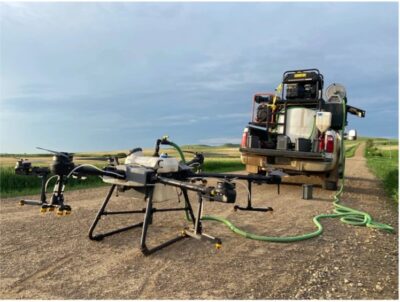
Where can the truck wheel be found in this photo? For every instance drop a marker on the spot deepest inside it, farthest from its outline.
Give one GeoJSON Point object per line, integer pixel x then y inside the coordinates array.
{"type": "Point", "coordinates": [330, 185]}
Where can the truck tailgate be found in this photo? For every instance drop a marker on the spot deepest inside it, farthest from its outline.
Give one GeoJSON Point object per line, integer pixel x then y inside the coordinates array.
{"type": "Point", "coordinates": [285, 153]}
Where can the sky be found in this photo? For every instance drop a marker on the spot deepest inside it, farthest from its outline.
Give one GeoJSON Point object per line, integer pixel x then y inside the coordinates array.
{"type": "Point", "coordinates": [114, 76]}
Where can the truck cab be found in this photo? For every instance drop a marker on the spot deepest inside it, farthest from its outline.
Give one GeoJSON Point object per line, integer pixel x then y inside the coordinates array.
{"type": "Point", "coordinates": [297, 129]}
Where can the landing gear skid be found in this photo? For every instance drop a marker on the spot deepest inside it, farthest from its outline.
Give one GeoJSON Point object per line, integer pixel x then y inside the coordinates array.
{"type": "Point", "coordinates": [57, 199]}
{"type": "Point", "coordinates": [195, 232]}
{"type": "Point", "coordinates": [249, 206]}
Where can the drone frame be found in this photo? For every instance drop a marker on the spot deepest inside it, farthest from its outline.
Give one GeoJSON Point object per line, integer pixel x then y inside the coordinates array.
{"type": "Point", "coordinates": [144, 182]}
{"type": "Point", "coordinates": [196, 232]}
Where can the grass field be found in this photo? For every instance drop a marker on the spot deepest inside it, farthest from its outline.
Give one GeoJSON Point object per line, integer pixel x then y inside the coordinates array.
{"type": "Point", "coordinates": [384, 163]}
{"type": "Point", "coordinates": [19, 185]}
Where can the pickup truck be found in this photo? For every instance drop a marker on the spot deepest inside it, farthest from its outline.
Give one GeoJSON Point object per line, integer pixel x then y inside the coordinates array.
{"type": "Point", "coordinates": [297, 130]}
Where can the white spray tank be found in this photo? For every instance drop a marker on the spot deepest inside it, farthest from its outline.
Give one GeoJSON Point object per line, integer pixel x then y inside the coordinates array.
{"type": "Point", "coordinates": [163, 164]}
{"type": "Point", "coordinates": [168, 164]}
{"type": "Point", "coordinates": [323, 120]}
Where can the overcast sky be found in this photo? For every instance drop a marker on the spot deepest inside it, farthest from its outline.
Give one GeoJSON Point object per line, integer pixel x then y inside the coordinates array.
{"type": "Point", "coordinates": [106, 76]}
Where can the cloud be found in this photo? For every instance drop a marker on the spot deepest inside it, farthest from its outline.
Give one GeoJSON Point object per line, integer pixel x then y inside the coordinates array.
{"type": "Point", "coordinates": [93, 75]}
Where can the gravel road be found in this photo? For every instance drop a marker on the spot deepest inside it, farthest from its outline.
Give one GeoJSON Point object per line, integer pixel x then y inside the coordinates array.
{"type": "Point", "coordinates": [48, 257]}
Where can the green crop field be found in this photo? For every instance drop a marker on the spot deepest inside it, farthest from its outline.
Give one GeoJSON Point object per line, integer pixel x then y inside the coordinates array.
{"type": "Point", "coordinates": [19, 185]}
{"type": "Point", "coordinates": [384, 163]}
{"type": "Point", "coordinates": [223, 165]}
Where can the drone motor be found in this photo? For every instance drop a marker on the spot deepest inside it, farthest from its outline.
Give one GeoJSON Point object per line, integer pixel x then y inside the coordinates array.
{"type": "Point", "coordinates": [62, 164]}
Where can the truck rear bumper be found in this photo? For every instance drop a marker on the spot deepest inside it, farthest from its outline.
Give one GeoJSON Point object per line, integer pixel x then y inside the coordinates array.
{"type": "Point", "coordinates": [303, 162]}
{"type": "Point", "coordinates": [285, 153]}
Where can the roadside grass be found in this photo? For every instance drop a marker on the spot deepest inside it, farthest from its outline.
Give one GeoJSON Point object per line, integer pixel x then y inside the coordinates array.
{"type": "Point", "coordinates": [385, 165]}
{"type": "Point", "coordinates": [351, 149]}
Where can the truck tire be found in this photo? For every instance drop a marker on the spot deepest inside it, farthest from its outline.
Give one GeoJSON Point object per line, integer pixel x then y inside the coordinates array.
{"type": "Point", "coordinates": [330, 185]}
{"type": "Point", "coordinates": [330, 181]}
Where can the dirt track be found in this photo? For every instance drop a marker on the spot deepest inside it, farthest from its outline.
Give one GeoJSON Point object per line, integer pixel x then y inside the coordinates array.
{"type": "Point", "coordinates": [49, 257]}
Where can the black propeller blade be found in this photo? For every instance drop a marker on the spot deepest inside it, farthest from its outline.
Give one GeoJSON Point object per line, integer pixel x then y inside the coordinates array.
{"type": "Point", "coordinates": [64, 154]}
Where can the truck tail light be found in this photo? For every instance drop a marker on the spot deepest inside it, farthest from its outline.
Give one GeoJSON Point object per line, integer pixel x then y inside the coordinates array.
{"type": "Point", "coordinates": [245, 137]}
{"type": "Point", "coordinates": [321, 145]}
{"type": "Point", "coordinates": [330, 144]}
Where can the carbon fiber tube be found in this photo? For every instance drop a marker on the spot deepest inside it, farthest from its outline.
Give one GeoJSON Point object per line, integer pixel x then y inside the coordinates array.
{"type": "Point", "coordinates": [85, 170]}
{"type": "Point", "coordinates": [270, 179]}
{"type": "Point", "coordinates": [182, 184]}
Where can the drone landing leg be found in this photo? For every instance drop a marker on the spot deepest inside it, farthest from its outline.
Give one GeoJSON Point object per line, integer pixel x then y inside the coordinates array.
{"type": "Point", "coordinates": [188, 205]}
{"type": "Point", "coordinates": [42, 201]}
{"type": "Point", "coordinates": [148, 219]}
{"type": "Point", "coordinates": [57, 199]}
{"type": "Point", "coordinates": [103, 212]}
{"type": "Point", "coordinates": [43, 189]}
{"type": "Point", "coordinates": [249, 206]}
{"type": "Point", "coordinates": [197, 231]}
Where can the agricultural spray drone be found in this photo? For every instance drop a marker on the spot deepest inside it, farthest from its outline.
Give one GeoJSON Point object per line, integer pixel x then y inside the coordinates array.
{"type": "Point", "coordinates": [152, 176]}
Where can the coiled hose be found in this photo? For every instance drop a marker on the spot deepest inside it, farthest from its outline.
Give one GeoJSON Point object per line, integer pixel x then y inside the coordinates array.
{"type": "Point", "coordinates": [347, 215]}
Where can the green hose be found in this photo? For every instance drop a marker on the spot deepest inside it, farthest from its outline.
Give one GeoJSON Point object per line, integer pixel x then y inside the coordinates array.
{"type": "Point", "coordinates": [179, 151]}
{"type": "Point", "coordinates": [347, 215]}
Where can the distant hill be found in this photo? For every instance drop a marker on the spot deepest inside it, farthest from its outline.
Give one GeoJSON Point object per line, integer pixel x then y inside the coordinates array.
{"type": "Point", "coordinates": [202, 146]}
{"type": "Point", "coordinates": [18, 155]}
{"type": "Point", "coordinates": [115, 152]}
{"type": "Point", "coordinates": [195, 146]}
{"type": "Point", "coordinates": [230, 145]}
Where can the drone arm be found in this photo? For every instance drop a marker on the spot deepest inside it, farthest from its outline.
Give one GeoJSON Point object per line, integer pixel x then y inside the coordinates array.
{"type": "Point", "coordinates": [86, 169]}
{"type": "Point", "coordinates": [184, 185]}
{"type": "Point", "coordinates": [269, 179]}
